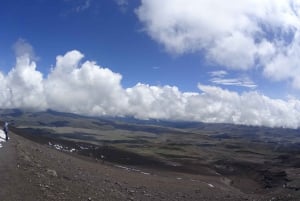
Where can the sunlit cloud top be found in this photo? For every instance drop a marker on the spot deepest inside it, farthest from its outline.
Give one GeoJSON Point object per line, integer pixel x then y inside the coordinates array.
{"type": "Point", "coordinates": [235, 34]}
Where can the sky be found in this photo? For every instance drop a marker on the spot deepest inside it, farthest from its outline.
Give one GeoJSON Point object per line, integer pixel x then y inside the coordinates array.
{"type": "Point", "coordinates": [189, 60]}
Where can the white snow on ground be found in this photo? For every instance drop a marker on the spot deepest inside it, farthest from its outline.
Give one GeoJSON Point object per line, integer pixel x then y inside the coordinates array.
{"type": "Point", "coordinates": [210, 185]}
{"type": "Point", "coordinates": [60, 147]}
{"type": "Point", "coordinates": [132, 169]}
{"type": "Point", "coordinates": [2, 137]}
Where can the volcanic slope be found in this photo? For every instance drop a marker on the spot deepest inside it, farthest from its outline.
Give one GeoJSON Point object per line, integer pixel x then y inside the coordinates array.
{"type": "Point", "coordinates": [58, 156]}
{"type": "Point", "coordinates": [32, 171]}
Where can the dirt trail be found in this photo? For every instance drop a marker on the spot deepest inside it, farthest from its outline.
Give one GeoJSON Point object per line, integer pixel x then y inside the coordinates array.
{"type": "Point", "coordinates": [13, 183]}
{"type": "Point", "coordinates": [8, 164]}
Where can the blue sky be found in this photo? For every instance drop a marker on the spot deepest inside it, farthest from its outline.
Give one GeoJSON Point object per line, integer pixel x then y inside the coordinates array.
{"type": "Point", "coordinates": [105, 32]}
{"type": "Point", "coordinates": [191, 45]}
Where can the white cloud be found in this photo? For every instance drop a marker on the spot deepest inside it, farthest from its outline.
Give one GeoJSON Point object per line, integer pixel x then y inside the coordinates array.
{"type": "Point", "coordinates": [235, 34]}
{"type": "Point", "coordinates": [146, 101]}
{"type": "Point", "coordinates": [286, 64]}
{"type": "Point", "coordinates": [23, 48]}
{"type": "Point", "coordinates": [122, 2]}
{"type": "Point", "coordinates": [23, 87]}
{"type": "Point", "coordinates": [155, 67]}
{"type": "Point", "coordinates": [78, 6]}
{"type": "Point", "coordinates": [221, 78]}
{"type": "Point", "coordinates": [123, 5]}
{"type": "Point", "coordinates": [236, 51]}
{"type": "Point", "coordinates": [84, 6]}
{"type": "Point", "coordinates": [220, 73]}
{"type": "Point", "coordinates": [249, 108]}
{"type": "Point", "coordinates": [84, 87]}
{"type": "Point", "coordinates": [234, 82]}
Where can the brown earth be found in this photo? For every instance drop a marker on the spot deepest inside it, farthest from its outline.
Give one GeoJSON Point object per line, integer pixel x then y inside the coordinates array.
{"type": "Point", "coordinates": [32, 171]}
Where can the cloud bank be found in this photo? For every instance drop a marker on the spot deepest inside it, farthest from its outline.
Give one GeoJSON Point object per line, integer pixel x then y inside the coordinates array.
{"type": "Point", "coordinates": [235, 34]}
{"type": "Point", "coordinates": [84, 87]}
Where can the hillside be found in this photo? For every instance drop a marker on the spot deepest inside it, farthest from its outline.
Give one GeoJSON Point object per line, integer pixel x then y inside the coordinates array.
{"type": "Point", "coordinates": [57, 156]}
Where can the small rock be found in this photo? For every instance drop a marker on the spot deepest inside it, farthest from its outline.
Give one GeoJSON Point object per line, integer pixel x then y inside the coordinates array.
{"type": "Point", "coordinates": [52, 172]}
{"type": "Point", "coordinates": [131, 191]}
{"type": "Point", "coordinates": [147, 194]}
{"type": "Point", "coordinates": [117, 183]}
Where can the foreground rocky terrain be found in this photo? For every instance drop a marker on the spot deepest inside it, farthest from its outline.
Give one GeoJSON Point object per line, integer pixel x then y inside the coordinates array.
{"type": "Point", "coordinates": [32, 171]}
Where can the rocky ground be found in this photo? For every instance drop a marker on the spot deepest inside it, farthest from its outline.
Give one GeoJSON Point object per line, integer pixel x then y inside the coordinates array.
{"type": "Point", "coordinates": [31, 171]}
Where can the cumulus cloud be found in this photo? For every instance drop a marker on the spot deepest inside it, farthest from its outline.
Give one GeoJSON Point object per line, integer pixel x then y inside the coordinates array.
{"type": "Point", "coordinates": [250, 108]}
{"type": "Point", "coordinates": [23, 86]}
{"type": "Point", "coordinates": [155, 102]}
{"type": "Point", "coordinates": [84, 87]}
{"type": "Point", "coordinates": [236, 34]}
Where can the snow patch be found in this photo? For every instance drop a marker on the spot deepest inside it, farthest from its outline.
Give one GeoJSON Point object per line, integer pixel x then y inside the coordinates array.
{"type": "Point", "coordinates": [58, 147]}
{"type": "Point", "coordinates": [2, 138]}
{"type": "Point", "coordinates": [210, 185]}
{"type": "Point", "coordinates": [132, 169]}
{"type": "Point", "coordinates": [83, 148]}
{"type": "Point", "coordinates": [61, 147]}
